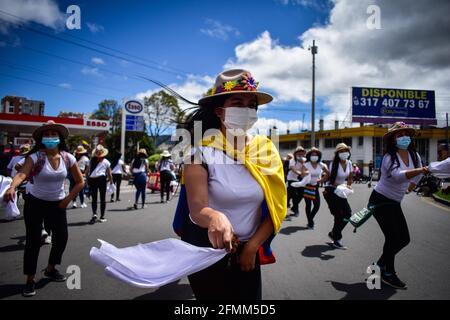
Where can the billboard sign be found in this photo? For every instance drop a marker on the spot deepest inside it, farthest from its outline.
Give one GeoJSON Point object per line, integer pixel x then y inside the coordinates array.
{"type": "Point", "coordinates": [381, 105]}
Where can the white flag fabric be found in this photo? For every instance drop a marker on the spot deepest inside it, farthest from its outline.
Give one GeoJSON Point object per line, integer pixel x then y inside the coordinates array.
{"type": "Point", "coordinates": [154, 264]}
{"type": "Point", "coordinates": [11, 210]}
{"type": "Point", "coordinates": [440, 169]}
{"type": "Point", "coordinates": [306, 179]}
{"type": "Point", "coordinates": [342, 191]}
{"type": "Point", "coordinates": [111, 189]}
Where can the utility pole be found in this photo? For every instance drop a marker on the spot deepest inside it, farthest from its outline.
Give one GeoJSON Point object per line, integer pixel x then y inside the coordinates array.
{"type": "Point", "coordinates": [446, 130]}
{"type": "Point", "coordinates": [313, 52]}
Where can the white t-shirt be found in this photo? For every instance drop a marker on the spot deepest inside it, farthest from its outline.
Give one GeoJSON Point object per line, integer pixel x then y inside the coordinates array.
{"type": "Point", "coordinates": [292, 176]}
{"type": "Point", "coordinates": [11, 165]}
{"type": "Point", "coordinates": [393, 182]}
{"type": "Point", "coordinates": [233, 191]}
{"type": "Point", "coordinates": [100, 169]}
{"type": "Point", "coordinates": [48, 185]}
{"type": "Point", "coordinates": [341, 174]}
{"type": "Point", "coordinates": [165, 165]}
{"type": "Point", "coordinates": [141, 168]}
{"type": "Point", "coordinates": [83, 163]}
{"type": "Point", "coordinates": [316, 173]}
{"type": "Point", "coordinates": [118, 168]}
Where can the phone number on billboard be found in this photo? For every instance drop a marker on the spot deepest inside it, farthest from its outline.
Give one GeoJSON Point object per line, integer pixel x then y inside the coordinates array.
{"type": "Point", "coordinates": [391, 103]}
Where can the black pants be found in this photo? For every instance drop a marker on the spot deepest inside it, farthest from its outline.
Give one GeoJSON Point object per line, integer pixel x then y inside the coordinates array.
{"type": "Point", "coordinates": [98, 185]}
{"type": "Point", "coordinates": [340, 209]}
{"type": "Point", "coordinates": [310, 214]}
{"type": "Point", "coordinates": [164, 179]}
{"type": "Point", "coordinates": [117, 180]}
{"type": "Point", "coordinates": [296, 194]}
{"type": "Point", "coordinates": [72, 185]}
{"type": "Point", "coordinates": [395, 229]}
{"type": "Point", "coordinates": [35, 212]}
{"type": "Point", "coordinates": [224, 280]}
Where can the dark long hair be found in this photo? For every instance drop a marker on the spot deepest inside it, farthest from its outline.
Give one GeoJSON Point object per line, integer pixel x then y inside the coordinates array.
{"type": "Point", "coordinates": [335, 167]}
{"type": "Point", "coordinates": [391, 149]}
{"type": "Point", "coordinates": [204, 112]}
{"type": "Point", "coordinates": [115, 160]}
{"type": "Point", "coordinates": [62, 146]}
{"type": "Point", "coordinates": [139, 160]}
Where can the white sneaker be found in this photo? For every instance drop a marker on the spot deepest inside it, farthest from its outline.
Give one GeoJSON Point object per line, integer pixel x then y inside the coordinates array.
{"type": "Point", "coordinates": [74, 205]}
{"type": "Point", "coordinates": [103, 220]}
{"type": "Point", "coordinates": [48, 240]}
{"type": "Point", "coordinates": [83, 205]}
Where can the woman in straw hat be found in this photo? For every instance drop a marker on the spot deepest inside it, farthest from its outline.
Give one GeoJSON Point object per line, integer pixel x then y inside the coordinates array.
{"type": "Point", "coordinates": [401, 169]}
{"type": "Point", "coordinates": [99, 173]}
{"type": "Point", "coordinates": [165, 167]}
{"type": "Point", "coordinates": [139, 168]}
{"type": "Point", "coordinates": [48, 164]}
{"type": "Point", "coordinates": [295, 172]}
{"type": "Point", "coordinates": [11, 168]}
{"type": "Point", "coordinates": [118, 170]}
{"type": "Point", "coordinates": [340, 170]}
{"type": "Point", "coordinates": [234, 189]}
{"type": "Point", "coordinates": [81, 155]}
{"type": "Point", "coordinates": [319, 173]}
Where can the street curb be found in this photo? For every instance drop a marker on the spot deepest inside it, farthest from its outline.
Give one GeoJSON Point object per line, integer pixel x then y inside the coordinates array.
{"type": "Point", "coordinates": [438, 199]}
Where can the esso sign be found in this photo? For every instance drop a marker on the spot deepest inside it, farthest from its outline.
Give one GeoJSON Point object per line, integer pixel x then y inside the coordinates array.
{"type": "Point", "coordinates": [96, 123]}
{"type": "Point", "coordinates": [134, 107]}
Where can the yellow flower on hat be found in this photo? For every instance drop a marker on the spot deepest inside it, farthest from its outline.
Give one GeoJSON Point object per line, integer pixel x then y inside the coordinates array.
{"type": "Point", "coordinates": [211, 91]}
{"type": "Point", "coordinates": [229, 85]}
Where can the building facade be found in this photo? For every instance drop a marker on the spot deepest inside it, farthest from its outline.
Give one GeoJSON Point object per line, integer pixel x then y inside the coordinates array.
{"type": "Point", "coordinates": [22, 105]}
{"type": "Point", "coordinates": [366, 143]}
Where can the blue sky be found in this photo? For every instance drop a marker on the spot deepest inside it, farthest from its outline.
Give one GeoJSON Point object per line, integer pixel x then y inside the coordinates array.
{"type": "Point", "coordinates": [195, 40]}
{"type": "Point", "coordinates": [197, 37]}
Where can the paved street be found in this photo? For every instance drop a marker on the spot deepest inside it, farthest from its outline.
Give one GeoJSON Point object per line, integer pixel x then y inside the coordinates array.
{"type": "Point", "coordinates": [307, 267]}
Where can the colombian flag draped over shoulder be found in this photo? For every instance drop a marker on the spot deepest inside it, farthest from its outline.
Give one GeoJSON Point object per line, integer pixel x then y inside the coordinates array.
{"type": "Point", "coordinates": [262, 160]}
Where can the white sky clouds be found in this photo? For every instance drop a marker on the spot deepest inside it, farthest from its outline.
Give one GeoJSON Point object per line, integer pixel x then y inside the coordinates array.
{"type": "Point", "coordinates": [95, 28]}
{"type": "Point", "coordinates": [217, 29]}
{"type": "Point", "coordinates": [411, 50]}
{"type": "Point", "coordinates": [96, 60]}
{"type": "Point", "coordinates": [45, 12]}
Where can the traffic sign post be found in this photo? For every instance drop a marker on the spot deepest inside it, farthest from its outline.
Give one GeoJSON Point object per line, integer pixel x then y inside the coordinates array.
{"type": "Point", "coordinates": [132, 120]}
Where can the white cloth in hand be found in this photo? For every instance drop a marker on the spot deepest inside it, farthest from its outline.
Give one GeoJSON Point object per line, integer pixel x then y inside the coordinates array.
{"type": "Point", "coordinates": [343, 191]}
{"type": "Point", "coordinates": [306, 179]}
{"type": "Point", "coordinates": [154, 264]}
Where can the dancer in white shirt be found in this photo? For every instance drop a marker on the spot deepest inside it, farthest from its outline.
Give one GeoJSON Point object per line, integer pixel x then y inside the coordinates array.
{"type": "Point", "coordinates": [401, 169]}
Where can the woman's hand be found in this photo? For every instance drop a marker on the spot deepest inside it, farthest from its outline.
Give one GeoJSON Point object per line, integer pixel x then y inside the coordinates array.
{"type": "Point", "coordinates": [64, 203]}
{"type": "Point", "coordinates": [247, 257]}
{"type": "Point", "coordinates": [9, 195]}
{"type": "Point", "coordinates": [220, 232]}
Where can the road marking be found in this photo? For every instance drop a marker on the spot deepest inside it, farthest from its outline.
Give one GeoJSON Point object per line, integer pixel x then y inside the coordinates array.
{"type": "Point", "coordinates": [436, 204]}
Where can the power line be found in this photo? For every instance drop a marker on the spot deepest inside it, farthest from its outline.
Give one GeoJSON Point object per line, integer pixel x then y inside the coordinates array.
{"type": "Point", "coordinates": [49, 84]}
{"type": "Point", "coordinates": [46, 34]}
{"type": "Point", "coordinates": [51, 75]}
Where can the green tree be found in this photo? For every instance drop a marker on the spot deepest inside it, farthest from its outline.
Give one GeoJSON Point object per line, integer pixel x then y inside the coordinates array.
{"type": "Point", "coordinates": [109, 110]}
{"type": "Point", "coordinates": [162, 112]}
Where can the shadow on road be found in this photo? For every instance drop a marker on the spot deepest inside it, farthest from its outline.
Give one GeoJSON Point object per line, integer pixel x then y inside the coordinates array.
{"type": "Point", "coordinates": [292, 229]}
{"type": "Point", "coordinates": [78, 224]}
{"type": "Point", "coordinates": [359, 291]}
{"type": "Point", "coordinates": [318, 251]}
{"type": "Point", "coordinates": [9, 290]}
{"type": "Point", "coordinates": [172, 291]}
{"type": "Point", "coordinates": [20, 245]}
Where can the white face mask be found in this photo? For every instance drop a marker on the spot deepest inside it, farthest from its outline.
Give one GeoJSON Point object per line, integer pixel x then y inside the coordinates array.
{"type": "Point", "coordinates": [240, 118]}
{"type": "Point", "coordinates": [344, 155]}
{"type": "Point", "coordinates": [314, 158]}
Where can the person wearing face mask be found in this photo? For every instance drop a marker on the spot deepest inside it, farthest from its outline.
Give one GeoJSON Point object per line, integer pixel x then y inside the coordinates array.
{"type": "Point", "coordinates": [47, 164]}
{"type": "Point", "coordinates": [319, 173]}
{"type": "Point", "coordinates": [99, 173]}
{"type": "Point", "coordinates": [295, 172]}
{"type": "Point", "coordinates": [340, 170]}
{"type": "Point", "coordinates": [401, 169]}
{"type": "Point", "coordinates": [233, 188]}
